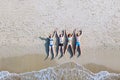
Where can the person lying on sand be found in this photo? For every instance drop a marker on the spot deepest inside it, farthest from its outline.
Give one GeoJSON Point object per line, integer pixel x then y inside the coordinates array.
{"type": "Point", "coordinates": [51, 45]}
{"type": "Point", "coordinates": [69, 43]}
{"type": "Point", "coordinates": [61, 41]}
{"type": "Point", "coordinates": [77, 42]}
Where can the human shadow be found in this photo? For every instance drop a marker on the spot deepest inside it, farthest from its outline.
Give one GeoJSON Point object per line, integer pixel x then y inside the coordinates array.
{"type": "Point", "coordinates": [70, 52]}
{"type": "Point", "coordinates": [79, 52]}
{"type": "Point", "coordinates": [57, 45]}
{"type": "Point", "coordinates": [61, 54]}
{"type": "Point", "coordinates": [47, 47]}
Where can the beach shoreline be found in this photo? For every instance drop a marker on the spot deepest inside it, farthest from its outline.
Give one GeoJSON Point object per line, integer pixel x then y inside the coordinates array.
{"type": "Point", "coordinates": [36, 61]}
{"type": "Point", "coordinates": [23, 22]}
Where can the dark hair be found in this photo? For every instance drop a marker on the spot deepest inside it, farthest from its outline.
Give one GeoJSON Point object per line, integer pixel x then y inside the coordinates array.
{"type": "Point", "coordinates": [50, 36]}
{"type": "Point", "coordinates": [77, 34]}
{"type": "Point", "coordinates": [69, 35]}
{"type": "Point", "coordinates": [60, 35]}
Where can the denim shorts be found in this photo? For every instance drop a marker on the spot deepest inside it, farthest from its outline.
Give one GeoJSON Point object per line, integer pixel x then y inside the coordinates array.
{"type": "Point", "coordinates": [77, 43]}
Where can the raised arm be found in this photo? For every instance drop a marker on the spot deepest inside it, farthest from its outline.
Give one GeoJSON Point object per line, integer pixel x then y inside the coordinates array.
{"type": "Point", "coordinates": [53, 33]}
{"type": "Point", "coordinates": [57, 33]}
{"type": "Point", "coordinates": [74, 32]}
{"type": "Point", "coordinates": [80, 32]}
{"type": "Point", "coordinates": [42, 38]}
{"type": "Point", "coordinates": [65, 33]}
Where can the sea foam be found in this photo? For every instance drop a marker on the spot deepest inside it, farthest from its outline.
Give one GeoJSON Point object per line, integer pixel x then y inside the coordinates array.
{"type": "Point", "coordinates": [67, 71]}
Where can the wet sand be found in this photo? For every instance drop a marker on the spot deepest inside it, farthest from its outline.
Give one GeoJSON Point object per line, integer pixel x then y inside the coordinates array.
{"type": "Point", "coordinates": [26, 63]}
{"type": "Point", "coordinates": [95, 68]}
{"type": "Point", "coordinates": [100, 60]}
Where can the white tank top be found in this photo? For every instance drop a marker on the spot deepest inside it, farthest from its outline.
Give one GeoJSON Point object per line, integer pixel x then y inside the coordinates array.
{"type": "Point", "coordinates": [77, 38]}
{"type": "Point", "coordinates": [51, 41]}
{"type": "Point", "coordinates": [61, 40]}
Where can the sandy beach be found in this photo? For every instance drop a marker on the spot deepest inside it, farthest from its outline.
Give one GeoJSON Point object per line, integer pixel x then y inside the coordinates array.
{"type": "Point", "coordinates": [22, 22]}
{"type": "Point", "coordinates": [34, 62]}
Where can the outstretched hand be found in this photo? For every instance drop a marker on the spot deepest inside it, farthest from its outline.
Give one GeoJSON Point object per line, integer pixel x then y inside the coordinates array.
{"type": "Point", "coordinates": [56, 30]}
{"type": "Point", "coordinates": [65, 31]}
{"type": "Point", "coordinates": [74, 30]}
{"type": "Point", "coordinates": [80, 32]}
{"type": "Point", "coordinates": [42, 38]}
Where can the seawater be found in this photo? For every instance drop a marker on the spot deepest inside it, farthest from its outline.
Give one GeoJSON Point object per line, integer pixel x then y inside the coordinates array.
{"type": "Point", "coordinates": [67, 71]}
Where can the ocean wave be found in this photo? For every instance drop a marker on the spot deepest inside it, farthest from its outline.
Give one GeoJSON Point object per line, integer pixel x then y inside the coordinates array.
{"type": "Point", "coordinates": [67, 71]}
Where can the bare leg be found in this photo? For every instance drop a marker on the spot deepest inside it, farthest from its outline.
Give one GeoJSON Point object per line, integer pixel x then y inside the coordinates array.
{"type": "Point", "coordinates": [71, 51]}
{"type": "Point", "coordinates": [58, 50]}
{"type": "Point", "coordinates": [66, 48]}
{"type": "Point", "coordinates": [62, 49]}
{"type": "Point", "coordinates": [79, 53]}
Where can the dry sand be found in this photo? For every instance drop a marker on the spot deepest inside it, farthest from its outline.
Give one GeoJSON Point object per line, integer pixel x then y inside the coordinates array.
{"type": "Point", "coordinates": [22, 22]}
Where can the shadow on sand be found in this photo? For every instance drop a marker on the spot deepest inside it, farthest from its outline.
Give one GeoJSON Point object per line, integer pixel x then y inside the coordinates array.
{"type": "Point", "coordinates": [26, 63]}
{"type": "Point", "coordinates": [47, 47]}
{"type": "Point", "coordinates": [56, 47]}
